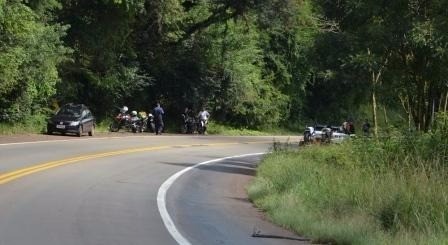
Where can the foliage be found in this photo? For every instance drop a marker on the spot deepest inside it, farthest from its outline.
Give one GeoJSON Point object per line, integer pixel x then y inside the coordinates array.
{"type": "Point", "coordinates": [216, 128]}
{"type": "Point", "coordinates": [33, 124]}
{"type": "Point", "coordinates": [30, 51]}
{"type": "Point", "coordinates": [103, 72]}
{"type": "Point", "coordinates": [392, 49]}
{"type": "Point", "coordinates": [362, 192]}
{"type": "Point", "coordinates": [254, 64]}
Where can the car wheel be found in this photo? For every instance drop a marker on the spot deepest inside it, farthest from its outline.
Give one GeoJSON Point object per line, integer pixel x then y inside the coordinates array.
{"type": "Point", "coordinates": [306, 137]}
{"type": "Point", "coordinates": [49, 129]}
{"type": "Point", "coordinates": [79, 133]}
{"type": "Point", "coordinates": [92, 131]}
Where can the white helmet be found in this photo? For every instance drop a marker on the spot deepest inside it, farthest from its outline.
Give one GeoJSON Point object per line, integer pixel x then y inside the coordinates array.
{"type": "Point", "coordinates": [124, 109]}
{"type": "Point", "coordinates": [134, 113]}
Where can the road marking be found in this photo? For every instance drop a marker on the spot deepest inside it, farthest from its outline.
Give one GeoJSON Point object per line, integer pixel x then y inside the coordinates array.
{"type": "Point", "coordinates": [161, 197]}
{"type": "Point", "coordinates": [13, 175]}
{"type": "Point", "coordinates": [67, 140]}
{"type": "Point", "coordinates": [112, 137]}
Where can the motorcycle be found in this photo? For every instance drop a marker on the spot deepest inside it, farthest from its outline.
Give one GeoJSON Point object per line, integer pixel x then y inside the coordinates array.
{"type": "Point", "coordinates": [188, 124]}
{"type": "Point", "coordinates": [148, 124]}
{"type": "Point", "coordinates": [122, 120]}
{"type": "Point", "coordinates": [136, 124]}
{"type": "Point", "coordinates": [202, 126]}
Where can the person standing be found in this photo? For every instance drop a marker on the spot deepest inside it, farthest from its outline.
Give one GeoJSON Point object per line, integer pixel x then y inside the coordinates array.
{"type": "Point", "coordinates": [351, 126]}
{"type": "Point", "coordinates": [345, 127]}
{"type": "Point", "coordinates": [158, 118]}
{"type": "Point", "coordinates": [203, 120]}
{"type": "Point", "coordinates": [366, 128]}
{"type": "Point", "coordinates": [187, 121]}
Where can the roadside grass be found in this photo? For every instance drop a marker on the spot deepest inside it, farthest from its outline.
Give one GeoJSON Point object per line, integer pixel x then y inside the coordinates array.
{"type": "Point", "coordinates": [361, 192]}
{"type": "Point", "coordinates": [216, 128]}
{"type": "Point", "coordinates": [103, 126]}
{"type": "Point", "coordinates": [34, 124]}
{"type": "Point", "coordinates": [37, 124]}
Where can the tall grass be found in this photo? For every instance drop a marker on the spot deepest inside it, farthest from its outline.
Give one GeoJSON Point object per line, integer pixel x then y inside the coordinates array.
{"type": "Point", "coordinates": [33, 124]}
{"type": "Point", "coordinates": [391, 191]}
{"type": "Point", "coordinates": [221, 129]}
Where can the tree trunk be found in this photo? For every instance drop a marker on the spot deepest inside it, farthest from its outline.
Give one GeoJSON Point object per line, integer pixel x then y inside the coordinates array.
{"type": "Point", "coordinates": [433, 112]}
{"type": "Point", "coordinates": [446, 102]}
{"type": "Point", "coordinates": [375, 118]}
{"type": "Point", "coordinates": [407, 108]}
{"type": "Point", "coordinates": [409, 116]}
{"type": "Point", "coordinates": [375, 81]}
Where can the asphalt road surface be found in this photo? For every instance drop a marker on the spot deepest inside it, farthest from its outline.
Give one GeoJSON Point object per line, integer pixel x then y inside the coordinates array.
{"type": "Point", "coordinates": [99, 190]}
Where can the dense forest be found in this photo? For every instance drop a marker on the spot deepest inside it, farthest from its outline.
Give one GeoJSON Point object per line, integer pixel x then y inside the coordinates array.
{"type": "Point", "coordinates": [253, 63]}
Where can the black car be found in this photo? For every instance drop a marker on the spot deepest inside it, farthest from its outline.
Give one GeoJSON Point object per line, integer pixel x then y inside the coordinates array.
{"type": "Point", "coordinates": [72, 118]}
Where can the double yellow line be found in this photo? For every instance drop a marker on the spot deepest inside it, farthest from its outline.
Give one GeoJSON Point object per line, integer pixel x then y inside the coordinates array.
{"type": "Point", "coordinates": [13, 175]}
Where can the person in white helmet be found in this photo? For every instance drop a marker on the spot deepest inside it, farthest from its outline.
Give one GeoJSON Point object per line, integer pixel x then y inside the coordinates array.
{"type": "Point", "coordinates": [203, 116]}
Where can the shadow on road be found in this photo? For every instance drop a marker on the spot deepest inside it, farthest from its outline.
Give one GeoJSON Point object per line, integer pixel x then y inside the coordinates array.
{"type": "Point", "coordinates": [178, 164]}
{"type": "Point", "coordinates": [234, 168]}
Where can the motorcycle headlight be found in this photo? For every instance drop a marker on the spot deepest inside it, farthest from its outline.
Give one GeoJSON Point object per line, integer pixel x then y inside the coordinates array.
{"type": "Point", "coordinates": [74, 123]}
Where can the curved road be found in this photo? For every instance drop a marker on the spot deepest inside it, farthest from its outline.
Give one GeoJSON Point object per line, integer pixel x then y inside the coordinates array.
{"type": "Point", "coordinates": [117, 190]}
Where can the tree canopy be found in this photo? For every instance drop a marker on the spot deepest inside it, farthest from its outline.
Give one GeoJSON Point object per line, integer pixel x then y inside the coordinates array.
{"type": "Point", "coordinates": [252, 63]}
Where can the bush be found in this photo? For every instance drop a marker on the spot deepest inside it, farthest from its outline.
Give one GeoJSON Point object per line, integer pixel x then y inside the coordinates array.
{"type": "Point", "coordinates": [32, 124]}
{"type": "Point", "coordinates": [390, 191]}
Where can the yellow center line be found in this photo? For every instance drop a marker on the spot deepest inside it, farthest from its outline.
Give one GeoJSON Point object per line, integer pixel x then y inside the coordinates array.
{"type": "Point", "coordinates": [13, 175]}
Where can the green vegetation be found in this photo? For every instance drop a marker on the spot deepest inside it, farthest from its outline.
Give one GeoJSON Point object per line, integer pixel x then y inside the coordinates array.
{"type": "Point", "coordinates": [253, 64]}
{"type": "Point", "coordinates": [34, 124]}
{"type": "Point", "coordinates": [390, 191]}
{"type": "Point", "coordinates": [260, 66]}
{"type": "Point", "coordinates": [221, 129]}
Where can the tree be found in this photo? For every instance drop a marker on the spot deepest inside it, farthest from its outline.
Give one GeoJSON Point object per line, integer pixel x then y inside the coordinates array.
{"type": "Point", "coordinates": [104, 71]}
{"type": "Point", "coordinates": [399, 45]}
{"type": "Point", "coordinates": [30, 51]}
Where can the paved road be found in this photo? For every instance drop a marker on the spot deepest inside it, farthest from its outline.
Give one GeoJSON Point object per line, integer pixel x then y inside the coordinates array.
{"type": "Point", "coordinates": [105, 190]}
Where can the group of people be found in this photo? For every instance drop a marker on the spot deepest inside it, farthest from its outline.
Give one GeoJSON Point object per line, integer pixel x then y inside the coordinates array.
{"type": "Point", "coordinates": [158, 114]}
{"type": "Point", "coordinates": [349, 128]}
{"type": "Point", "coordinates": [193, 121]}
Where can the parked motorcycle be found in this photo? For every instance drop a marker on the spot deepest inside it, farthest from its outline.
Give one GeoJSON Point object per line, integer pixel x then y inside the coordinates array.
{"type": "Point", "coordinates": [188, 124]}
{"type": "Point", "coordinates": [150, 125]}
{"type": "Point", "coordinates": [136, 123]}
{"type": "Point", "coordinates": [202, 126]}
{"type": "Point", "coordinates": [122, 120]}
{"type": "Point", "coordinates": [147, 122]}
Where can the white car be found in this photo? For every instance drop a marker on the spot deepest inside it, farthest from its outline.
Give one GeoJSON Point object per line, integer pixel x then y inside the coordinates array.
{"type": "Point", "coordinates": [313, 133]}
{"type": "Point", "coordinates": [338, 137]}
{"type": "Point", "coordinates": [327, 134]}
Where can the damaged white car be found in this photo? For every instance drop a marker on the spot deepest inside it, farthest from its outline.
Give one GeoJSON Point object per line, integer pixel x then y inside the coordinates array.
{"type": "Point", "coordinates": [324, 134]}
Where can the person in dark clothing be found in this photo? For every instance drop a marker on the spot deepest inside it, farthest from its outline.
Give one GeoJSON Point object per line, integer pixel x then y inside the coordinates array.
{"type": "Point", "coordinates": [366, 128]}
{"type": "Point", "coordinates": [351, 126]}
{"type": "Point", "coordinates": [158, 118]}
{"type": "Point", "coordinates": [187, 121]}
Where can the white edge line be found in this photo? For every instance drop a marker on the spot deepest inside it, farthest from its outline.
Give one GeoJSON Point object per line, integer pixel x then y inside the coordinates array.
{"type": "Point", "coordinates": [114, 137]}
{"type": "Point", "coordinates": [161, 197]}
